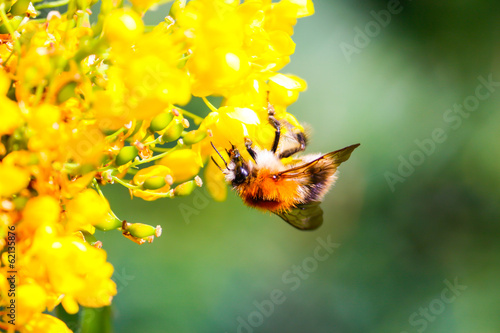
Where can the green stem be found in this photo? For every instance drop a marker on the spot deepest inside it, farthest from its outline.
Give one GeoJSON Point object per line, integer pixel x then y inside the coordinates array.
{"type": "Point", "coordinates": [111, 166]}
{"type": "Point", "coordinates": [52, 4]}
{"type": "Point", "coordinates": [155, 141]}
{"type": "Point", "coordinates": [210, 105]}
{"type": "Point", "coordinates": [127, 185]}
{"type": "Point", "coordinates": [112, 137]}
{"type": "Point", "coordinates": [154, 158]}
{"type": "Point", "coordinates": [197, 119]}
{"type": "Point", "coordinates": [97, 188]}
{"type": "Point", "coordinates": [39, 92]}
{"type": "Point", "coordinates": [160, 149]}
{"type": "Point", "coordinates": [169, 194]}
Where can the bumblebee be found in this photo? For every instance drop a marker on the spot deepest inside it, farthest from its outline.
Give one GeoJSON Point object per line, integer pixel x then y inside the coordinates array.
{"type": "Point", "coordinates": [293, 190]}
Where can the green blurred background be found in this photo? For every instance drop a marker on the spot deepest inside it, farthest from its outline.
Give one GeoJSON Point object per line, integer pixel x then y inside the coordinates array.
{"type": "Point", "coordinates": [397, 244]}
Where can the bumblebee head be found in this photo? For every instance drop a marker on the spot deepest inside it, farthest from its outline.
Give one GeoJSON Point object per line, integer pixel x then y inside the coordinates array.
{"type": "Point", "coordinates": [237, 169]}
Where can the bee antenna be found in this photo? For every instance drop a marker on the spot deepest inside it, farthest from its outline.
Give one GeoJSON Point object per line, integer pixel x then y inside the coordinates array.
{"type": "Point", "coordinates": [215, 163]}
{"type": "Point", "coordinates": [222, 158]}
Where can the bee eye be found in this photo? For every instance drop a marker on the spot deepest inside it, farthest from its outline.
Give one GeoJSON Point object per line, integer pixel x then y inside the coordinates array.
{"type": "Point", "coordinates": [241, 175]}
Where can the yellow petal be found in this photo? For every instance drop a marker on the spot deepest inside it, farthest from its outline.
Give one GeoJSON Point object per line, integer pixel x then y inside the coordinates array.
{"type": "Point", "coordinates": [12, 180]}
{"type": "Point", "coordinates": [183, 163]}
{"type": "Point", "coordinates": [215, 182]}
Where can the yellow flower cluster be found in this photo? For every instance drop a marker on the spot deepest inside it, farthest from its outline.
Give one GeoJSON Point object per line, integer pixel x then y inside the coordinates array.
{"type": "Point", "coordinates": [83, 105]}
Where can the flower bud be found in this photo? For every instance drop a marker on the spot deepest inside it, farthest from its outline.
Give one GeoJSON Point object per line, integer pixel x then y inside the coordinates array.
{"type": "Point", "coordinates": [192, 137]}
{"type": "Point", "coordinates": [188, 187]}
{"type": "Point", "coordinates": [66, 92]}
{"type": "Point", "coordinates": [161, 121]}
{"type": "Point", "coordinates": [20, 202]}
{"type": "Point", "coordinates": [141, 230]}
{"type": "Point", "coordinates": [90, 239]}
{"type": "Point", "coordinates": [173, 131]}
{"type": "Point", "coordinates": [126, 155]}
{"type": "Point", "coordinates": [19, 8]}
{"type": "Point", "coordinates": [154, 183]}
{"type": "Point", "coordinates": [110, 223]}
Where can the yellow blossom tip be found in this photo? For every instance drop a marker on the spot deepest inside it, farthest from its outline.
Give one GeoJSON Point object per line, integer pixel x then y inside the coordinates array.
{"type": "Point", "coordinates": [158, 231]}
{"type": "Point", "coordinates": [140, 230]}
{"type": "Point", "coordinates": [169, 179]}
{"type": "Point", "coordinates": [198, 181]}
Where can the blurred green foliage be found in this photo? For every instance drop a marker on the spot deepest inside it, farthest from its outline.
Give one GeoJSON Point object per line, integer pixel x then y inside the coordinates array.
{"type": "Point", "coordinates": [397, 248]}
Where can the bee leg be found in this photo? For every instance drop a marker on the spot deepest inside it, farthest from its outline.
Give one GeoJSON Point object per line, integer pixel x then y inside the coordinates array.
{"type": "Point", "coordinates": [277, 126]}
{"type": "Point", "coordinates": [301, 145]}
{"type": "Point", "coordinates": [248, 145]}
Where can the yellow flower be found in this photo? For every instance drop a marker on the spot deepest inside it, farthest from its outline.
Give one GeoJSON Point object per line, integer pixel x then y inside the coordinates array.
{"type": "Point", "coordinates": [143, 5]}
{"type": "Point", "coordinates": [217, 71]}
{"type": "Point", "coordinates": [43, 323]}
{"type": "Point", "coordinates": [80, 216]}
{"type": "Point", "coordinates": [231, 125]}
{"type": "Point", "coordinates": [79, 103]}
{"type": "Point", "coordinates": [184, 164]}
{"type": "Point", "coordinates": [215, 182]}
{"type": "Point", "coordinates": [31, 300]}
{"type": "Point", "coordinates": [123, 25]}
{"type": "Point", "coordinates": [39, 211]}
{"type": "Point", "coordinates": [284, 89]}
{"type": "Point", "coordinates": [12, 180]}
{"type": "Point", "coordinates": [45, 120]}
{"type": "Point", "coordinates": [71, 269]}
{"type": "Point", "coordinates": [157, 174]}
{"type": "Point", "coordinates": [9, 112]}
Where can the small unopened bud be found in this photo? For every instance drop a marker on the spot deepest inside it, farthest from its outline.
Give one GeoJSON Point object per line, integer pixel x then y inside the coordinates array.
{"type": "Point", "coordinates": [20, 202]}
{"type": "Point", "coordinates": [188, 187]}
{"type": "Point", "coordinates": [173, 131]}
{"type": "Point", "coordinates": [91, 240]}
{"type": "Point", "coordinates": [141, 230]}
{"type": "Point", "coordinates": [19, 8]}
{"type": "Point", "coordinates": [110, 223]}
{"type": "Point", "coordinates": [192, 137]}
{"type": "Point", "coordinates": [154, 183]}
{"type": "Point", "coordinates": [66, 92]}
{"type": "Point", "coordinates": [185, 123]}
{"type": "Point", "coordinates": [161, 121]}
{"type": "Point", "coordinates": [126, 155]}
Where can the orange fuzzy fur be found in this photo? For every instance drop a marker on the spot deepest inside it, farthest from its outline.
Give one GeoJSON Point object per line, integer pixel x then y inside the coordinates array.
{"type": "Point", "coordinates": [267, 193]}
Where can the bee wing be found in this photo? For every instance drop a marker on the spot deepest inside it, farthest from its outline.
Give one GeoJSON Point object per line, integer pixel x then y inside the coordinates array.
{"type": "Point", "coordinates": [304, 217]}
{"type": "Point", "coordinates": [335, 158]}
